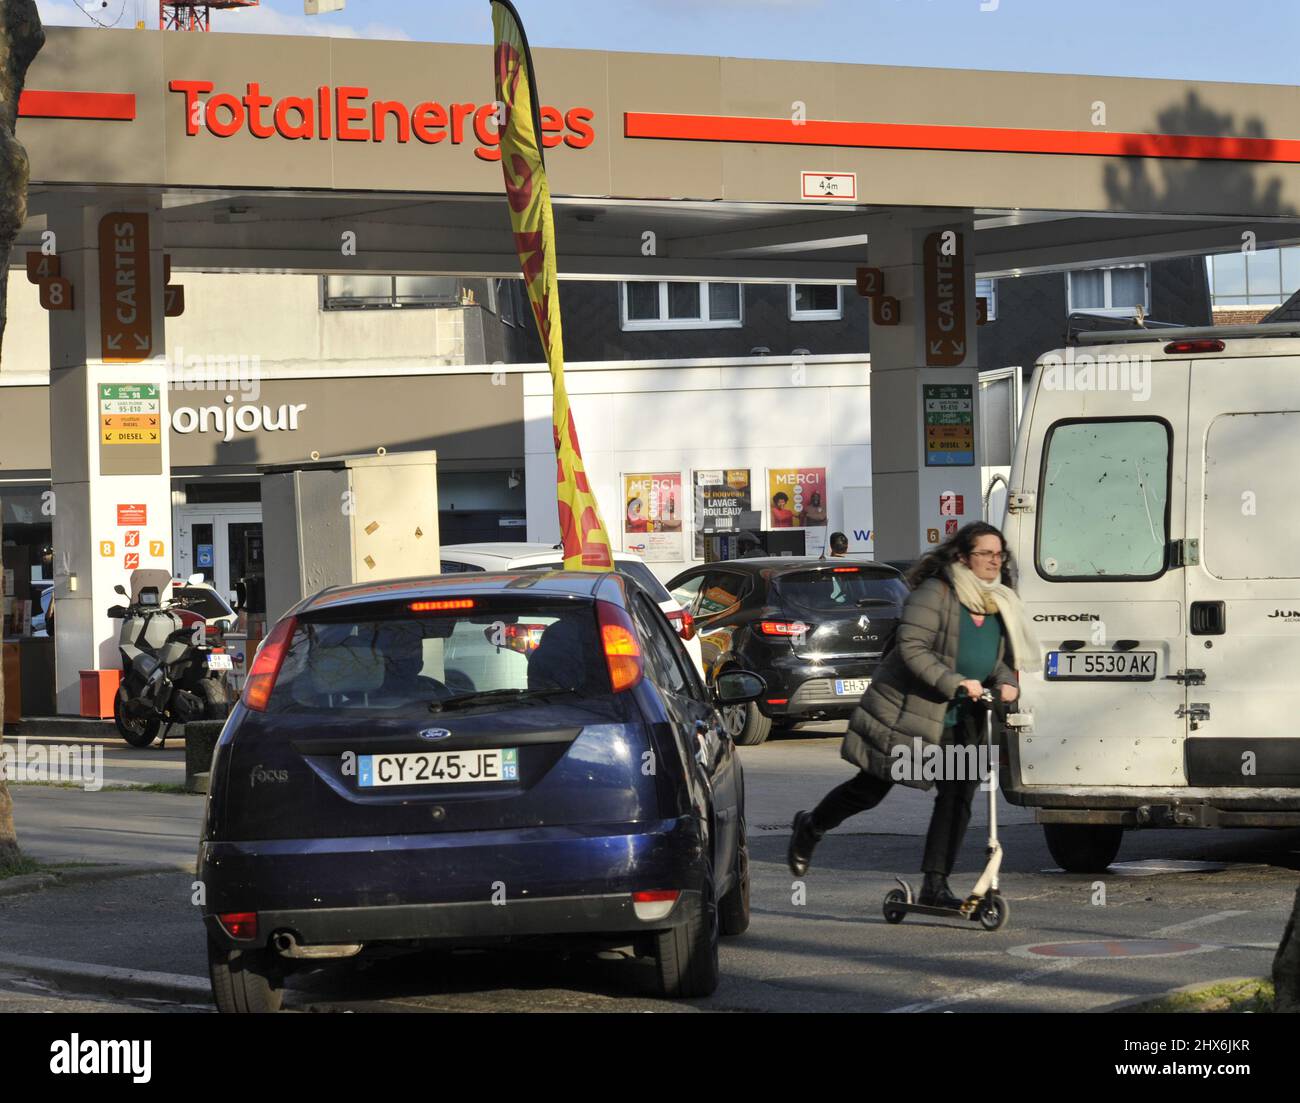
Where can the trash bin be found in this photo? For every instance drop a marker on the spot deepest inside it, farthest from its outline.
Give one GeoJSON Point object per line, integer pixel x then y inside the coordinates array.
{"type": "Point", "coordinates": [98, 688]}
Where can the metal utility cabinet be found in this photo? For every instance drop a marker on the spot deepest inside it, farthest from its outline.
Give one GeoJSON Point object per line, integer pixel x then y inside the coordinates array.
{"type": "Point", "coordinates": [332, 522]}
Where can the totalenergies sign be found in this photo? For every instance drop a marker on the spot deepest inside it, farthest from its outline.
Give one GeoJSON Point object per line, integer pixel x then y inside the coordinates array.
{"type": "Point", "coordinates": [347, 113]}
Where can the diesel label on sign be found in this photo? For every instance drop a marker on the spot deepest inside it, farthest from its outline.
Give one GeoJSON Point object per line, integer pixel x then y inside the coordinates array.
{"type": "Point", "coordinates": [348, 114]}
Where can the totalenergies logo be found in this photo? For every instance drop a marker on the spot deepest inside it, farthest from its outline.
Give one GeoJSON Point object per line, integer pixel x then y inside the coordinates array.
{"type": "Point", "coordinates": [347, 113]}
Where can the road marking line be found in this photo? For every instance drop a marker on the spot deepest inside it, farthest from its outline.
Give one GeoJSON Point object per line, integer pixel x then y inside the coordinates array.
{"type": "Point", "coordinates": [1055, 965]}
{"type": "Point", "coordinates": [1201, 921]}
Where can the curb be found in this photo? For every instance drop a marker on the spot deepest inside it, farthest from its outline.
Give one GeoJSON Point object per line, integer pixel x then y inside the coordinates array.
{"type": "Point", "coordinates": [35, 882]}
{"type": "Point", "coordinates": [108, 980]}
{"type": "Point", "coordinates": [1187, 989]}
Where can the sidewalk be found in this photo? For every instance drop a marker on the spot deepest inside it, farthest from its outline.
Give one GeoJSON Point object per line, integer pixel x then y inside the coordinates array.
{"type": "Point", "coordinates": [71, 825]}
{"type": "Point", "coordinates": [122, 764]}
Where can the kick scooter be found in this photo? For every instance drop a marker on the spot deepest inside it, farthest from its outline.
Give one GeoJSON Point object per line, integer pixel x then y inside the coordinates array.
{"type": "Point", "coordinates": [985, 905]}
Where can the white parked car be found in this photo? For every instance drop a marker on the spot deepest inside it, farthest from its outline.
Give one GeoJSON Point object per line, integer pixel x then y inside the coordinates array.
{"type": "Point", "coordinates": [519, 556]}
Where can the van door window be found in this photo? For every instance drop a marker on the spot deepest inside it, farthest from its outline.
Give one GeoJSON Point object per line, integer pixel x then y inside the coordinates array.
{"type": "Point", "coordinates": [1105, 491]}
{"type": "Point", "coordinates": [1251, 526]}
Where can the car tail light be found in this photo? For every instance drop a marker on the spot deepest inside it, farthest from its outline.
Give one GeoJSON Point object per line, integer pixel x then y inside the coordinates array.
{"type": "Point", "coordinates": [845, 570]}
{"type": "Point", "coordinates": [1204, 344]}
{"type": "Point", "coordinates": [783, 628]}
{"type": "Point", "coordinates": [654, 904]}
{"type": "Point", "coordinates": [266, 665]}
{"type": "Point", "coordinates": [240, 925]}
{"type": "Point", "coordinates": [778, 700]}
{"type": "Point", "coordinates": [683, 622]}
{"type": "Point", "coordinates": [441, 606]}
{"type": "Point", "coordinates": [622, 649]}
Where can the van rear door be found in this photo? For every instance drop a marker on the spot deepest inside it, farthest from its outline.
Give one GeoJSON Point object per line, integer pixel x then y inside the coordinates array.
{"type": "Point", "coordinates": [1244, 615]}
{"type": "Point", "coordinates": [1103, 459]}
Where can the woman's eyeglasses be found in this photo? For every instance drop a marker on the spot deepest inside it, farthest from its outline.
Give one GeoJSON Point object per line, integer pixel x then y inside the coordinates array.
{"type": "Point", "coordinates": [989, 556]}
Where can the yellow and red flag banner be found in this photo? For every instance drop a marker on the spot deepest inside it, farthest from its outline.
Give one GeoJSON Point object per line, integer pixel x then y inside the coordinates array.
{"type": "Point", "coordinates": [585, 541]}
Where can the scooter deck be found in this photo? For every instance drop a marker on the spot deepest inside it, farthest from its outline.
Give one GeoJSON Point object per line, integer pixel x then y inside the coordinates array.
{"type": "Point", "coordinates": [929, 909]}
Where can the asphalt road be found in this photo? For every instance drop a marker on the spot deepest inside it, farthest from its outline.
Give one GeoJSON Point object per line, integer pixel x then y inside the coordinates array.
{"type": "Point", "coordinates": [1217, 914]}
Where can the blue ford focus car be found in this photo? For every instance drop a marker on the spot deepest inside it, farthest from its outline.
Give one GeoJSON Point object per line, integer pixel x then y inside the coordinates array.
{"type": "Point", "coordinates": [466, 761]}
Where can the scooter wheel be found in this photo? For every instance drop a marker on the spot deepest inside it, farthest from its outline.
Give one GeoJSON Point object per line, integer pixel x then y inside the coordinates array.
{"type": "Point", "coordinates": [993, 912]}
{"type": "Point", "coordinates": [893, 910]}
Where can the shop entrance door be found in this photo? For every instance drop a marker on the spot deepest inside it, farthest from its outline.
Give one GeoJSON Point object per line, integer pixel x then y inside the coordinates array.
{"type": "Point", "coordinates": [221, 542]}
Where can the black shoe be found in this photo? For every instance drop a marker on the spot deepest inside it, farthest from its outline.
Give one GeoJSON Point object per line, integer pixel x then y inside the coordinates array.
{"type": "Point", "coordinates": [935, 892]}
{"type": "Point", "coordinates": [803, 838]}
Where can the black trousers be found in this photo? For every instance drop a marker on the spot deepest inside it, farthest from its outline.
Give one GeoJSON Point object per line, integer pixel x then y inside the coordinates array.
{"type": "Point", "coordinates": [948, 821]}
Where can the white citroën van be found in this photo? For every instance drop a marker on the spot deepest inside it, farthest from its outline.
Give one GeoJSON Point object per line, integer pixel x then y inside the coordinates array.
{"type": "Point", "coordinates": [1154, 516]}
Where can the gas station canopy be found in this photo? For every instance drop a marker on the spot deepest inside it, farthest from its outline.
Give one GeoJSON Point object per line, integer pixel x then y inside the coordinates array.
{"type": "Point", "coordinates": [342, 155]}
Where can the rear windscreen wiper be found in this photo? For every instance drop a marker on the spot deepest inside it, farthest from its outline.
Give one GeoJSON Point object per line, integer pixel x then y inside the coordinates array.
{"type": "Point", "coordinates": [874, 601]}
{"type": "Point", "coordinates": [464, 700]}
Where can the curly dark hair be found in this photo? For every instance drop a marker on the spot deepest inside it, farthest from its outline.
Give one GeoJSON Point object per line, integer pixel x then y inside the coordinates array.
{"type": "Point", "coordinates": [938, 561]}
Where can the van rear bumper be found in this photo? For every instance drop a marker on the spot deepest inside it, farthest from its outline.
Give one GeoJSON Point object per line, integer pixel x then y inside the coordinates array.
{"type": "Point", "coordinates": [1162, 807]}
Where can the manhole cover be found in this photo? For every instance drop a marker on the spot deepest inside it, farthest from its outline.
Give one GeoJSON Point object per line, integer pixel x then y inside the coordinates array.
{"type": "Point", "coordinates": [1115, 947]}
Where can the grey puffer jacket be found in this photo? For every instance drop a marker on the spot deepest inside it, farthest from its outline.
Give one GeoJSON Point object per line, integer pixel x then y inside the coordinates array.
{"type": "Point", "coordinates": [912, 687]}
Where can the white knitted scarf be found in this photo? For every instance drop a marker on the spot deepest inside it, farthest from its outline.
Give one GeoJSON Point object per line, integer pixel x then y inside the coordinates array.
{"type": "Point", "coordinates": [993, 597]}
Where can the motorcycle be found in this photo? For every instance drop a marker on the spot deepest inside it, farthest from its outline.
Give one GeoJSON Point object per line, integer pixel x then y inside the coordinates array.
{"type": "Point", "coordinates": [172, 671]}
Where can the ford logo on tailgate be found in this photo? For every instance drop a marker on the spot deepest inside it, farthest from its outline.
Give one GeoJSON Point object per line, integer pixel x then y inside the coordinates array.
{"type": "Point", "coordinates": [434, 734]}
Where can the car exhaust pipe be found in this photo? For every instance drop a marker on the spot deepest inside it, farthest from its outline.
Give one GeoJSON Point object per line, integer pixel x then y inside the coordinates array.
{"type": "Point", "coordinates": [287, 945]}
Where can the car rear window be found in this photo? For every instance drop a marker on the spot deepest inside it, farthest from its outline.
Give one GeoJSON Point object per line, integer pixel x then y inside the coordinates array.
{"type": "Point", "coordinates": [832, 588]}
{"type": "Point", "coordinates": [393, 659]}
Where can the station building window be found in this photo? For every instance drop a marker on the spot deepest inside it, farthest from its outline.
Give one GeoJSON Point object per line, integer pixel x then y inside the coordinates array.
{"type": "Point", "coordinates": [672, 304]}
{"type": "Point", "coordinates": [987, 289]}
{"type": "Point", "coordinates": [816, 302]}
{"type": "Point", "coordinates": [1264, 277]}
{"type": "Point", "coordinates": [1110, 290]}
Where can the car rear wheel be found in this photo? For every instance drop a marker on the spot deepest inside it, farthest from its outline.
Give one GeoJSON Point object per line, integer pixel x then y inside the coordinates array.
{"type": "Point", "coordinates": [139, 732]}
{"type": "Point", "coordinates": [733, 917]}
{"type": "Point", "coordinates": [1083, 847]}
{"type": "Point", "coordinates": [686, 956]}
{"type": "Point", "coordinates": [245, 982]}
{"type": "Point", "coordinates": [746, 725]}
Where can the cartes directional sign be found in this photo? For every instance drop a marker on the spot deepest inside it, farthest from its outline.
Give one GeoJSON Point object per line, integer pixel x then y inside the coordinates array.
{"type": "Point", "coordinates": [945, 298]}
{"type": "Point", "coordinates": [125, 292]}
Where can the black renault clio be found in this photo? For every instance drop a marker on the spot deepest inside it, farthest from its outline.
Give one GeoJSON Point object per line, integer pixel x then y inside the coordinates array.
{"type": "Point", "coordinates": [814, 629]}
{"type": "Point", "coordinates": [469, 760]}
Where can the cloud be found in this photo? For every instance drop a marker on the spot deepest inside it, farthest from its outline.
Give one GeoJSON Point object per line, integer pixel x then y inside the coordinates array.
{"type": "Point", "coordinates": [264, 20]}
{"type": "Point", "coordinates": [260, 20]}
{"type": "Point", "coordinates": [54, 13]}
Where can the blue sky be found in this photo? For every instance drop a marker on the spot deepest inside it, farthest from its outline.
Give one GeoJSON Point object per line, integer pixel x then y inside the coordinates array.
{"type": "Point", "coordinates": [1250, 41]}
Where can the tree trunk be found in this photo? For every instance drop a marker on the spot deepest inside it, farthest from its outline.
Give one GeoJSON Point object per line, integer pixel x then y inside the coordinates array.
{"type": "Point", "coordinates": [1286, 964]}
{"type": "Point", "coordinates": [21, 38]}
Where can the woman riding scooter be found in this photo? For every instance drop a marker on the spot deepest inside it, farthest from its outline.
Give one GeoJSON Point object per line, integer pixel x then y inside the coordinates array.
{"type": "Point", "coordinates": [962, 626]}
